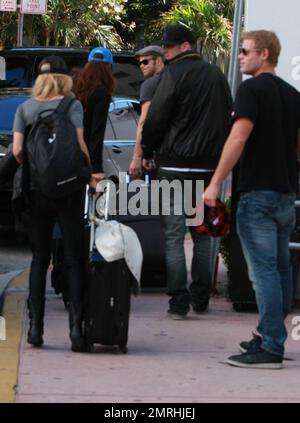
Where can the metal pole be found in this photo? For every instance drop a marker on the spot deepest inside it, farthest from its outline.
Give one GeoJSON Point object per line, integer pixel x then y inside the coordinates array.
{"type": "Point", "coordinates": [233, 73]}
{"type": "Point", "coordinates": [233, 79]}
{"type": "Point", "coordinates": [215, 245]}
{"type": "Point", "coordinates": [20, 27]}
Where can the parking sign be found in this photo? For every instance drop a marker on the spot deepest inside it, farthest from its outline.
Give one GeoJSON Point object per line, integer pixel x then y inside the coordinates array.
{"type": "Point", "coordinates": [38, 7]}
{"type": "Point", "coordinates": [8, 5]}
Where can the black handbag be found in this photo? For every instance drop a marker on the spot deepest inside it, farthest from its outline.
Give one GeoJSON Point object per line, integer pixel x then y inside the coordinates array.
{"type": "Point", "coordinates": [21, 183]}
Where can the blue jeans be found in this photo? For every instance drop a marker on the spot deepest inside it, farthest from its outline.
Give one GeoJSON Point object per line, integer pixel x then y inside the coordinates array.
{"type": "Point", "coordinates": [265, 220]}
{"type": "Point", "coordinates": [174, 228]}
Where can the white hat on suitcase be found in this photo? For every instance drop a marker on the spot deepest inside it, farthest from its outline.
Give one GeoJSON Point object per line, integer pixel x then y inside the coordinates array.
{"type": "Point", "coordinates": [115, 241]}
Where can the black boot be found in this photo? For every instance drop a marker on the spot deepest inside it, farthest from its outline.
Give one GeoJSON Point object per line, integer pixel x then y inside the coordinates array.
{"type": "Point", "coordinates": [76, 335]}
{"type": "Point", "coordinates": [36, 323]}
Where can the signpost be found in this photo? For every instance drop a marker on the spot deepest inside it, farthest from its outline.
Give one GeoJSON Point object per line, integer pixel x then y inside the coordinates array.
{"type": "Point", "coordinates": [20, 28]}
{"type": "Point", "coordinates": [32, 7]}
{"type": "Point", "coordinates": [38, 7]}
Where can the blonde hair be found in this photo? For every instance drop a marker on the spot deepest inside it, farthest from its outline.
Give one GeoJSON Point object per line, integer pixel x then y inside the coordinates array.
{"type": "Point", "coordinates": [50, 85]}
{"type": "Point", "coordinates": [265, 39]}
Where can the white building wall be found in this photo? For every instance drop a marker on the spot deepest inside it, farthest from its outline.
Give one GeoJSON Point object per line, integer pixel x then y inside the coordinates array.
{"type": "Point", "coordinates": [282, 17]}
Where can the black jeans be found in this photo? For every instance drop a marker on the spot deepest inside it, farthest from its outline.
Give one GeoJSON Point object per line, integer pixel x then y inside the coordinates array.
{"type": "Point", "coordinates": [174, 226]}
{"type": "Point", "coordinates": [43, 213]}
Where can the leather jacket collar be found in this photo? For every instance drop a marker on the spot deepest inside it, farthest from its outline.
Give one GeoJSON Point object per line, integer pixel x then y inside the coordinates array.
{"type": "Point", "coordinates": [186, 55]}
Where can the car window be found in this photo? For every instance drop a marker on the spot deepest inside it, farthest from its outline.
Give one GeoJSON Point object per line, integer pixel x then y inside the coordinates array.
{"type": "Point", "coordinates": [122, 120]}
{"type": "Point", "coordinates": [73, 63]}
{"type": "Point", "coordinates": [129, 78]}
{"type": "Point", "coordinates": [15, 72]}
{"type": "Point", "coordinates": [22, 69]}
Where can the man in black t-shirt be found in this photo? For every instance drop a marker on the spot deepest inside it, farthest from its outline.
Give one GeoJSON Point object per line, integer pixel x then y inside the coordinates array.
{"type": "Point", "coordinates": [151, 61]}
{"type": "Point", "coordinates": [265, 136]}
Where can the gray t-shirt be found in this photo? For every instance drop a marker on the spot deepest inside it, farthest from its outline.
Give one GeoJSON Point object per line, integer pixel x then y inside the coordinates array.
{"type": "Point", "coordinates": [27, 112]}
{"type": "Point", "coordinates": [148, 88]}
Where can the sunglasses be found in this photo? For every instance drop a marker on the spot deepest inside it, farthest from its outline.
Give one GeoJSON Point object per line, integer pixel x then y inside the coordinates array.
{"type": "Point", "coordinates": [245, 52]}
{"type": "Point", "coordinates": [144, 62]}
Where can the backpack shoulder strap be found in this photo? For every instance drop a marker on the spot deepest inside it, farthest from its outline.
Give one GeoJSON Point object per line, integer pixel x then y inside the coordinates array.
{"type": "Point", "coordinates": [65, 104]}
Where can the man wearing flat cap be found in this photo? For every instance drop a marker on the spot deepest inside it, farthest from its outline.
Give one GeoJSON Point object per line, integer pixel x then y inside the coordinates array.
{"type": "Point", "coordinates": [185, 130]}
{"type": "Point", "coordinates": [151, 62]}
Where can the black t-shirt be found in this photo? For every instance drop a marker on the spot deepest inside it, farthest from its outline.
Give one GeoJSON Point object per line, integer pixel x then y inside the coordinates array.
{"type": "Point", "coordinates": [148, 87]}
{"type": "Point", "coordinates": [269, 160]}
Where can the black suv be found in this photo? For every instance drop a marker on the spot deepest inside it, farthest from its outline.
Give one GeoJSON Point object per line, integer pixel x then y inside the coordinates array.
{"type": "Point", "coordinates": [22, 65]}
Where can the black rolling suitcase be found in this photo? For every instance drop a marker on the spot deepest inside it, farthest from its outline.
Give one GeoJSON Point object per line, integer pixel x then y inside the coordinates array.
{"type": "Point", "coordinates": [150, 234]}
{"type": "Point", "coordinates": [108, 304]}
{"type": "Point", "coordinates": [108, 293]}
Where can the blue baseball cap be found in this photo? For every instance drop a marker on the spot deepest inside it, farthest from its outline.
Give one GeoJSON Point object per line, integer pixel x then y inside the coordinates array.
{"type": "Point", "coordinates": [101, 54]}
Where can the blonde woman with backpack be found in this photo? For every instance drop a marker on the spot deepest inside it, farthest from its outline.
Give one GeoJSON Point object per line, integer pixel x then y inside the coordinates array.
{"type": "Point", "coordinates": [51, 87]}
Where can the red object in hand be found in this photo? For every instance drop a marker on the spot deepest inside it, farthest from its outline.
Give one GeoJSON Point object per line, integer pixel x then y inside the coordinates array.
{"type": "Point", "coordinates": [216, 220]}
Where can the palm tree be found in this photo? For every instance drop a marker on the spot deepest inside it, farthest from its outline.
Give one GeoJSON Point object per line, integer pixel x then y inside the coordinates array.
{"type": "Point", "coordinates": [212, 30]}
{"type": "Point", "coordinates": [68, 23]}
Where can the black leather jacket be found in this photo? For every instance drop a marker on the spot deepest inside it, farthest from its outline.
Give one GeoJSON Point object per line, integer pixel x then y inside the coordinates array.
{"type": "Point", "coordinates": [189, 117]}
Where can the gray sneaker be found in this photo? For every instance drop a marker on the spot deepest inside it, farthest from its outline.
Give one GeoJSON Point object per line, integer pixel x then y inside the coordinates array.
{"type": "Point", "coordinates": [251, 346]}
{"type": "Point", "coordinates": [176, 316]}
{"type": "Point", "coordinates": [257, 360]}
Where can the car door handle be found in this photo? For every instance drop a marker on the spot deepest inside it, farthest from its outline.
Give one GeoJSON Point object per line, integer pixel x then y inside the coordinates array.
{"type": "Point", "coordinates": [116, 149]}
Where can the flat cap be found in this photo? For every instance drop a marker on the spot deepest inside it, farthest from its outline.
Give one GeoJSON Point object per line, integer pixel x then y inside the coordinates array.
{"type": "Point", "coordinates": [150, 50]}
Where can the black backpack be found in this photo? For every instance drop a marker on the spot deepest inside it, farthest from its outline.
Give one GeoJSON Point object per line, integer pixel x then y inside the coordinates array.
{"type": "Point", "coordinates": [57, 165]}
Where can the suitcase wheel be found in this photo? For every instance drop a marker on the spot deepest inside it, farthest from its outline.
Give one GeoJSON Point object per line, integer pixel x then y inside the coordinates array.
{"type": "Point", "coordinates": [89, 348]}
{"type": "Point", "coordinates": [237, 306]}
{"type": "Point", "coordinates": [123, 349]}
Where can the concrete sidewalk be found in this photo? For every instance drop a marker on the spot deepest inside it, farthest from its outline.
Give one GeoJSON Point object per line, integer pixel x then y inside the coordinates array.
{"type": "Point", "coordinates": [167, 362]}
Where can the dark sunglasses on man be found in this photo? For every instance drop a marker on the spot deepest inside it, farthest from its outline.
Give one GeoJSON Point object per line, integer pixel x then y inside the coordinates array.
{"type": "Point", "coordinates": [145, 62]}
{"type": "Point", "coordinates": [245, 52]}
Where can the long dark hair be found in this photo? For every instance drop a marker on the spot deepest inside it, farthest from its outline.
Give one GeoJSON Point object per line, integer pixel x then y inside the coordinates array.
{"type": "Point", "coordinates": [93, 75]}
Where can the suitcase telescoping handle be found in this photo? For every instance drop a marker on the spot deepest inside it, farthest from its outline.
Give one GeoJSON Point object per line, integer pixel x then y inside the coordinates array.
{"type": "Point", "coordinates": [147, 179]}
{"type": "Point", "coordinates": [91, 200]}
{"type": "Point", "coordinates": [92, 205]}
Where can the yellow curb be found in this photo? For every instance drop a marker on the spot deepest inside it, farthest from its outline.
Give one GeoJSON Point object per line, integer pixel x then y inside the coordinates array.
{"type": "Point", "coordinates": [13, 312]}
